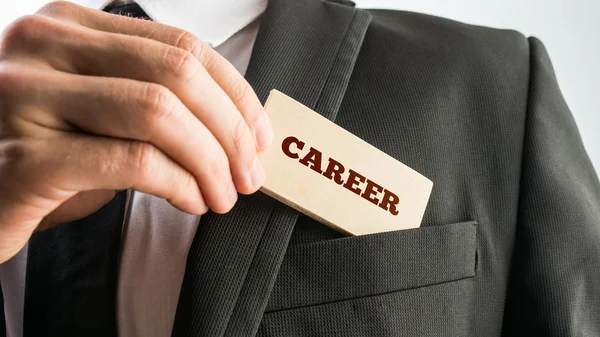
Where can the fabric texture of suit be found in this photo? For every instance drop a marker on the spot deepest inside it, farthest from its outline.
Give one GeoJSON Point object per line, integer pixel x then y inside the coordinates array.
{"type": "Point", "coordinates": [510, 241]}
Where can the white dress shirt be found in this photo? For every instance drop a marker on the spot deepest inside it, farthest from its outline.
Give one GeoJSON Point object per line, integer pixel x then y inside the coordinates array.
{"type": "Point", "coordinates": [156, 236]}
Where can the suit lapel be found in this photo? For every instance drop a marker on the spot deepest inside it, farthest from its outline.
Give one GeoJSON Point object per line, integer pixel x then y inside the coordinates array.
{"type": "Point", "coordinates": [306, 49]}
{"type": "Point", "coordinates": [71, 278]}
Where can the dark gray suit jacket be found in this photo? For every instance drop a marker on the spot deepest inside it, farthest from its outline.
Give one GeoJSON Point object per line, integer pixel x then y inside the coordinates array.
{"type": "Point", "coordinates": [510, 241]}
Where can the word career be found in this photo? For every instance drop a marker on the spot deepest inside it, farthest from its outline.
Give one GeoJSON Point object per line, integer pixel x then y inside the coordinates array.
{"type": "Point", "coordinates": [313, 159]}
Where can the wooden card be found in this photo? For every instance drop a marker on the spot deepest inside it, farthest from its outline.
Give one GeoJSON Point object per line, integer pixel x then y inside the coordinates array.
{"type": "Point", "coordinates": [336, 178]}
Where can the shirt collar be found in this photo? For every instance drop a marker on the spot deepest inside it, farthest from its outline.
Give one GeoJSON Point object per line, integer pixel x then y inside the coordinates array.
{"type": "Point", "coordinates": [213, 21]}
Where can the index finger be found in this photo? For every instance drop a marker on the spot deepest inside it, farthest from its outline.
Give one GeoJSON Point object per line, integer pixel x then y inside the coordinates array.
{"type": "Point", "coordinates": [224, 73]}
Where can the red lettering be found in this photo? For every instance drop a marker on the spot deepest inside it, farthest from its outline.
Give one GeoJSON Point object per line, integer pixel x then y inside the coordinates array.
{"type": "Point", "coordinates": [286, 144]}
{"type": "Point", "coordinates": [389, 202]}
{"type": "Point", "coordinates": [334, 171]}
{"type": "Point", "coordinates": [312, 160]}
{"type": "Point", "coordinates": [354, 178]}
{"type": "Point", "coordinates": [372, 189]}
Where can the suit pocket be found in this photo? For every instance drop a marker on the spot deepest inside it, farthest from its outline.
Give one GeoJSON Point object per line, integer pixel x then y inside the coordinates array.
{"type": "Point", "coordinates": [362, 266]}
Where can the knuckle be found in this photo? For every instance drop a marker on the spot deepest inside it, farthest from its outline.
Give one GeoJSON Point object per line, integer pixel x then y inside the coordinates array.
{"type": "Point", "coordinates": [240, 136]}
{"type": "Point", "coordinates": [181, 63]}
{"type": "Point", "coordinates": [57, 8]}
{"type": "Point", "coordinates": [10, 127]}
{"type": "Point", "coordinates": [14, 152]}
{"type": "Point", "coordinates": [25, 30]}
{"type": "Point", "coordinates": [12, 94]}
{"type": "Point", "coordinates": [218, 165]}
{"type": "Point", "coordinates": [159, 104]}
{"type": "Point", "coordinates": [191, 44]}
{"type": "Point", "coordinates": [10, 80]}
{"type": "Point", "coordinates": [187, 183]}
{"type": "Point", "coordinates": [141, 156]}
{"type": "Point", "coordinates": [241, 93]}
{"type": "Point", "coordinates": [18, 158]}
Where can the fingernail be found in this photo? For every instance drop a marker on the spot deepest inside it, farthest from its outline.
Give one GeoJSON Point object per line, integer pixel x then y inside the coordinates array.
{"type": "Point", "coordinates": [264, 134]}
{"type": "Point", "coordinates": [232, 191]}
{"type": "Point", "coordinates": [258, 173]}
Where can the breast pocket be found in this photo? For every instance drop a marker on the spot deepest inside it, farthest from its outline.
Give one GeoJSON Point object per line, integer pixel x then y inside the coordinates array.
{"type": "Point", "coordinates": [365, 283]}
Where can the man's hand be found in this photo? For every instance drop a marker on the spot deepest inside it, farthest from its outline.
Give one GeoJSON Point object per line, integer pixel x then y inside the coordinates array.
{"type": "Point", "coordinates": [92, 102]}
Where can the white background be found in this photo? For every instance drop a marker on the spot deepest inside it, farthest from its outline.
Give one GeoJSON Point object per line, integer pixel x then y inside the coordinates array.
{"type": "Point", "coordinates": [570, 29]}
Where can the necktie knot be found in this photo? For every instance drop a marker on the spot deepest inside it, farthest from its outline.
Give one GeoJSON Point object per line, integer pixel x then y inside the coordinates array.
{"type": "Point", "coordinates": [132, 10]}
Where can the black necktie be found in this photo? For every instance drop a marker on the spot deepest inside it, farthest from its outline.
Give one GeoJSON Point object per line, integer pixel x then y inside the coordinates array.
{"type": "Point", "coordinates": [131, 10]}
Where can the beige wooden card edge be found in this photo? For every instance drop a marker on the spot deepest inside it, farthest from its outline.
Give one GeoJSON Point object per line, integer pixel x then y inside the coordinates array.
{"type": "Point", "coordinates": [303, 210]}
